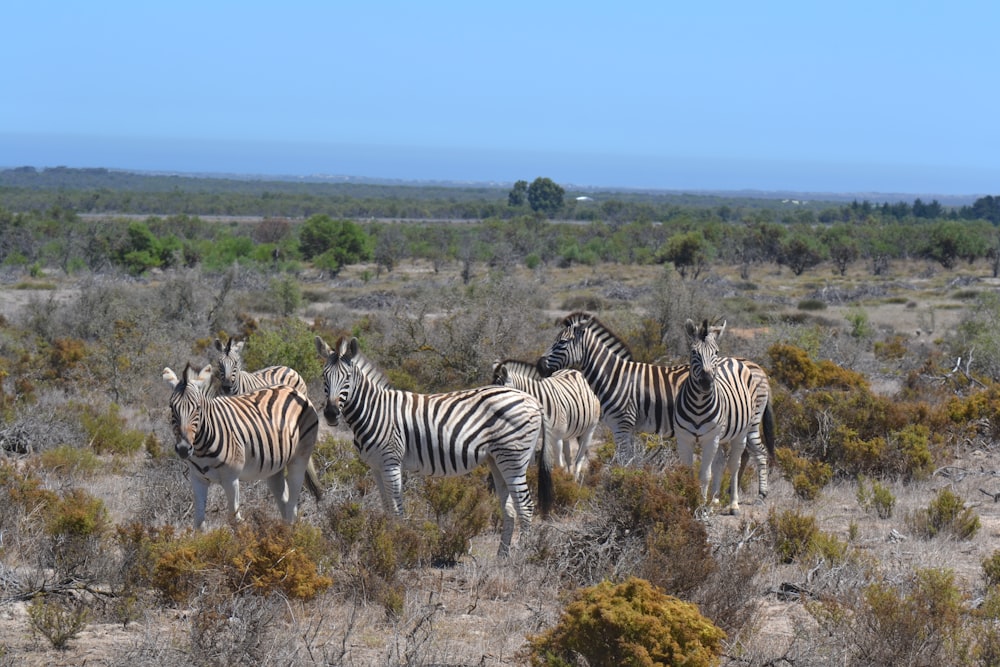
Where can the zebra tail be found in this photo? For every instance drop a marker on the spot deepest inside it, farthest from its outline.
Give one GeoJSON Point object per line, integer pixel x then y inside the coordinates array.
{"type": "Point", "coordinates": [546, 488]}
{"type": "Point", "coordinates": [312, 481]}
{"type": "Point", "coordinates": [768, 424]}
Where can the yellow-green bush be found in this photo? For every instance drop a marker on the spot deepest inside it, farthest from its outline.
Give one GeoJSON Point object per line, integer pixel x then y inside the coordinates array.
{"type": "Point", "coordinates": [108, 431]}
{"type": "Point", "coordinates": [794, 533]}
{"type": "Point", "coordinates": [265, 555]}
{"type": "Point", "coordinates": [808, 477]}
{"type": "Point", "coordinates": [632, 623]}
{"type": "Point", "coordinates": [945, 514]}
{"type": "Point", "coordinates": [876, 498]}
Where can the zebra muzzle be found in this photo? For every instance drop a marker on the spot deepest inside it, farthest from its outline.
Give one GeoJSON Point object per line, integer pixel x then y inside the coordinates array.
{"type": "Point", "coordinates": [183, 449]}
{"type": "Point", "coordinates": [332, 414]}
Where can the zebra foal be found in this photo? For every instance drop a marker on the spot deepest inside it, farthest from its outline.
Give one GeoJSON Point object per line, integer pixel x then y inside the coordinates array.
{"type": "Point", "coordinates": [571, 408]}
{"type": "Point", "coordinates": [438, 434]}
{"type": "Point", "coordinates": [234, 380]}
{"type": "Point", "coordinates": [263, 434]}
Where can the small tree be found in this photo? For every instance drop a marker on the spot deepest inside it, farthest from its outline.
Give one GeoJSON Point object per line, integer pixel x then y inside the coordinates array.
{"type": "Point", "coordinates": [545, 196]}
{"type": "Point", "coordinates": [518, 194]}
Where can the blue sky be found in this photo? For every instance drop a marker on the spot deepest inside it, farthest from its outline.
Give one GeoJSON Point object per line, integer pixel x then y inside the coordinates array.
{"type": "Point", "coordinates": [890, 97]}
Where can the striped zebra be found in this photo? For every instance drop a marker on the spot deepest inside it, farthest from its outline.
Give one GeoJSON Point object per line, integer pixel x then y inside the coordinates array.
{"type": "Point", "coordinates": [266, 434]}
{"type": "Point", "coordinates": [438, 434]}
{"type": "Point", "coordinates": [723, 401]}
{"type": "Point", "coordinates": [233, 380]}
{"type": "Point", "coordinates": [635, 396]}
{"type": "Point", "coordinates": [571, 408]}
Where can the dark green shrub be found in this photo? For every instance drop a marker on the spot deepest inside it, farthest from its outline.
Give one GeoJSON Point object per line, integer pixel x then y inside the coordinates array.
{"type": "Point", "coordinates": [811, 304]}
{"type": "Point", "coordinates": [632, 623]}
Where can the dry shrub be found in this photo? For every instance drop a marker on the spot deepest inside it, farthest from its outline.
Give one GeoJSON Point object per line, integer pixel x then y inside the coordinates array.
{"type": "Point", "coordinates": [632, 623]}
{"type": "Point", "coordinates": [639, 521]}
{"type": "Point", "coordinates": [263, 555]}
{"type": "Point", "coordinates": [373, 548]}
{"type": "Point", "coordinates": [57, 619]}
{"type": "Point", "coordinates": [919, 623]}
{"type": "Point", "coordinates": [462, 508]}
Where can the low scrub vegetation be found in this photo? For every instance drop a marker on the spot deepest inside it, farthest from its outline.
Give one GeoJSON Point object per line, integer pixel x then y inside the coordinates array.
{"type": "Point", "coordinates": [886, 413]}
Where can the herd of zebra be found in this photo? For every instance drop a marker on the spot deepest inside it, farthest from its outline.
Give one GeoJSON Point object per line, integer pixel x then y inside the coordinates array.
{"type": "Point", "coordinates": [232, 425]}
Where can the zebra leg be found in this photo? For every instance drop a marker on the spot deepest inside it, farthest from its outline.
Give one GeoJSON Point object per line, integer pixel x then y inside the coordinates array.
{"type": "Point", "coordinates": [708, 452]}
{"type": "Point", "coordinates": [624, 446]}
{"type": "Point", "coordinates": [390, 486]}
{"type": "Point", "coordinates": [199, 486]}
{"type": "Point", "coordinates": [760, 456]}
{"type": "Point", "coordinates": [565, 448]}
{"type": "Point", "coordinates": [232, 489]}
{"type": "Point", "coordinates": [583, 446]}
{"type": "Point", "coordinates": [507, 508]}
{"type": "Point", "coordinates": [718, 468]}
{"type": "Point", "coordinates": [279, 489]}
{"type": "Point", "coordinates": [735, 455]}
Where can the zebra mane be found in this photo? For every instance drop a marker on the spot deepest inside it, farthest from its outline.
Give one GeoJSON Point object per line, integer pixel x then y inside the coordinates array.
{"type": "Point", "coordinates": [606, 336]}
{"type": "Point", "coordinates": [366, 366]}
{"type": "Point", "coordinates": [524, 369]}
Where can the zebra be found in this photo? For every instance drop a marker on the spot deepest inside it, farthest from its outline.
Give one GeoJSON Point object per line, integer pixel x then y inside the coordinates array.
{"type": "Point", "coordinates": [635, 396]}
{"type": "Point", "coordinates": [438, 434]}
{"type": "Point", "coordinates": [571, 408]}
{"type": "Point", "coordinates": [723, 400]}
{"type": "Point", "coordinates": [233, 380]}
{"type": "Point", "coordinates": [263, 434]}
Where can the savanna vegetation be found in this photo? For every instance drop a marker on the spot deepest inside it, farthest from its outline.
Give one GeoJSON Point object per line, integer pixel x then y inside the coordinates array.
{"type": "Point", "coordinates": [876, 322]}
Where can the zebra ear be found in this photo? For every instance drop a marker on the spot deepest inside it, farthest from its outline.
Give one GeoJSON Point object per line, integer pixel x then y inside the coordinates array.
{"type": "Point", "coordinates": [204, 376]}
{"type": "Point", "coordinates": [322, 349]}
{"type": "Point", "coordinates": [718, 329]}
{"type": "Point", "coordinates": [499, 374]}
{"type": "Point", "coordinates": [691, 329]}
{"type": "Point", "coordinates": [170, 377]}
{"type": "Point", "coordinates": [218, 346]}
{"type": "Point", "coordinates": [351, 349]}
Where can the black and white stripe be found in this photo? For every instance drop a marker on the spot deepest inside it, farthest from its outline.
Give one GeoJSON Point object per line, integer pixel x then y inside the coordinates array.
{"type": "Point", "coordinates": [438, 434]}
{"type": "Point", "coordinates": [719, 411]}
{"type": "Point", "coordinates": [571, 408]}
{"type": "Point", "coordinates": [265, 434]}
{"type": "Point", "coordinates": [234, 380]}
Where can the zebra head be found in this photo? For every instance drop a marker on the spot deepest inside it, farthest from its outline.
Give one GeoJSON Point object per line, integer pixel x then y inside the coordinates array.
{"type": "Point", "coordinates": [229, 364]}
{"type": "Point", "coordinates": [704, 342]}
{"type": "Point", "coordinates": [338, 375]}
{"type": "Point", "coordinates": [186, 405]}
{"type": "Point", "coordinates": [567, 350]}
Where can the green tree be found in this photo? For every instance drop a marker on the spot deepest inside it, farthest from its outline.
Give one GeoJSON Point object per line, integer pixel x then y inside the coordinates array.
{"type": "Point", "coordinates": [518, 194]}
{"type": "Point", "coordinates": [334, 244]}
{"type": "Point", "coordinates": [689, 252]}
{"type": "Point", "coordinates": [802, 250]}
{"type": "Point", "coordinates": [545, 196]}
{"type": "Point", "coordinates": [843, 246]}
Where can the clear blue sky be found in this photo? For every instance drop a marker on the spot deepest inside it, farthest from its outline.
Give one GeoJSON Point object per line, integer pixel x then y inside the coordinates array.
{"type": "Point", "coordinates": [860, 96]}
